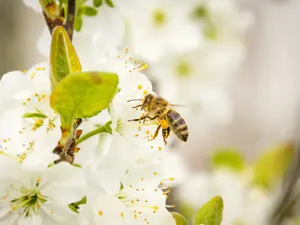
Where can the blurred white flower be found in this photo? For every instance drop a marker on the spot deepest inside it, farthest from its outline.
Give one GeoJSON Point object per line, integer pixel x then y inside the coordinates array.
{"type": "Point", "coordinates": [221, 20]}
{"type": "Point", "coordinates": [193, 81]}
{"type": "Point", "coordinates": [34, 4]}
{"type": "Point", "coordinates": [243, 203]}
{"type": "Point", "coordinates": [39, 196]}
{"type": "Point", "coordinates": [160, 27]}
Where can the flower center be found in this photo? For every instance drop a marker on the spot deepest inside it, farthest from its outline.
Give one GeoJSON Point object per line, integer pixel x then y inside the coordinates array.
{"type": "Point", "coordinates": [200, 12]}
{"type": "Point", "coordinates": [30, 201]}
{"type": "Point", "coordinates": [183, 69]}
{"type": "Point", "coordinates": [119, 127]}
{"type": "Point", "coordinates": [159, 17]}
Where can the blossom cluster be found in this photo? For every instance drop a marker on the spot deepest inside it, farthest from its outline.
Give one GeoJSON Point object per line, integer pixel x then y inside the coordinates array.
{"type": "Point", "coordinates": [119, 173]}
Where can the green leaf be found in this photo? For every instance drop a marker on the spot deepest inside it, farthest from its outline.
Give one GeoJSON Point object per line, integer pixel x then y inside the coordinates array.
{"type": "Point", "coordinates": [63, 57]}
{"type": "Point", "coordinates": [89, 11]}
{"type": "Point", "coordinates": [272, 165]}
{"type": "Point", "coordinates": [83, 95]}
{"type": "Point", "coordinates": [97, 3]}
{"type": "Point", "coordinates": [229, 158]}
{"type": "Point", "coordinates": [187, 210]}
{"type": "Point", "coordinates": [180, 220]}
{"type": "Point", "coordinates": [78, 23]}
{"type": "Point", "coordinates": [34, 115]}
{"type": "Point", "coordinates": [76, 165]}
{"type": "Point", "coordinates": [110, 3]}
{"type": "Point", "coordinates": [73, 208]}
{"type": "Point", "coordinates": [211, 212]}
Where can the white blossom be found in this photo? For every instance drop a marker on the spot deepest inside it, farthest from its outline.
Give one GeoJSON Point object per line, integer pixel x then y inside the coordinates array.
{"type": "Point", "coordinates": [28, 122]}
{"type": "Point", "coordinates": [135, 199]}
{"type": "Point", "coordinates": [39, 196]}
{"type": "Point", "coordinates": [157, 28]}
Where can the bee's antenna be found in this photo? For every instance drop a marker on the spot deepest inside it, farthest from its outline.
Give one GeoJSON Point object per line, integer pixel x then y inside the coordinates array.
{"type": "Point", "coordinates": [131, 100]}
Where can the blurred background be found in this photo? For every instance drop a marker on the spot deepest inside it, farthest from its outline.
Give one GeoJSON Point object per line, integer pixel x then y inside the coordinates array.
{"type": "Point", "coordinates": [250, 131]}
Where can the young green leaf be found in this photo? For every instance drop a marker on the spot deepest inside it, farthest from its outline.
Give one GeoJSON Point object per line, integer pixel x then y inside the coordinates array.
{"type": "Point", "coordinates": [229, 158]}
{"type": "Point", "coordinates": [110, 3]}
{"type": "Point", "coordinates": [271, 165]}
{"type": "Point", "coordinates": [211, 212]}
{"type": "Point", "coordinates": [97, 3]}
{"type": "Point", "coordinates": [34, 115]}
{"type": "Point", "coordinates": [78, 23]}
{"type": "Point", "coordinates": [83, 94]}
{"type": "Point", "coordinates": [179, 219]}
{"type": "Point", "coordinates": [73, 208]}
{"type": "Point", "coordinates": [63, 57]}
{"type": "Point", "coordinates": [89, 11]}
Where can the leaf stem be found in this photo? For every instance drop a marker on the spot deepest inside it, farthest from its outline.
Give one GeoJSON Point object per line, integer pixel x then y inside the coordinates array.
{"type": "Point", "coordinates": [99, 130]}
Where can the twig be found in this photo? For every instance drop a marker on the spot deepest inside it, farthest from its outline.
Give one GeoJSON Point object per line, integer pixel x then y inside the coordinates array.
{"type": "Point", "coordinates": [52, 23]}
{"type": "Point", "coordinates": [70, 18]}
{"type": "Point", "coordinates": [66, 152]}
{"type": "Point", "coordinates": [57, 19]}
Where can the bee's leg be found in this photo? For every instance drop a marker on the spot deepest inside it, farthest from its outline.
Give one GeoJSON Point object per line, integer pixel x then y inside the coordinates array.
{"type": "Point", "coordinates": [143, 118]}
{"type": "Point", "coordinates": [138, 119]}
{"type": "Point", "coordinates": [156, 132]}
{"type": "Point", "coordinates": [150, 118]}
{"type": "Point", "coordinates": [166, 134]}
{"type": "Point", "coordinates": [134, 107]}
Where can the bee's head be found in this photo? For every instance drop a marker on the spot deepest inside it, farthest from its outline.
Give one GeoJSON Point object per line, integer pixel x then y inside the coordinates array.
{"type": "Point", "coordinates": [147, 100]}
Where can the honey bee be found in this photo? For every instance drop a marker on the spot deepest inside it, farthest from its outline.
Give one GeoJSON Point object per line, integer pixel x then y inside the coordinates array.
{"type": "Point", "coordinates": [159, 109]}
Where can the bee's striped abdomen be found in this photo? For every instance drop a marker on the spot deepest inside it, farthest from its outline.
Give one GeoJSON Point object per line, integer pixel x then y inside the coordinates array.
{"type": "Point", "coordinates": [177, 124]}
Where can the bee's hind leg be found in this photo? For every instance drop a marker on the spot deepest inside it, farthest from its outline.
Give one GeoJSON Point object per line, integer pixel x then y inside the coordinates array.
{"type": "Point", "coordinates": [156, 132]}
{"type": "Point", "coordinates": [166, 134]}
